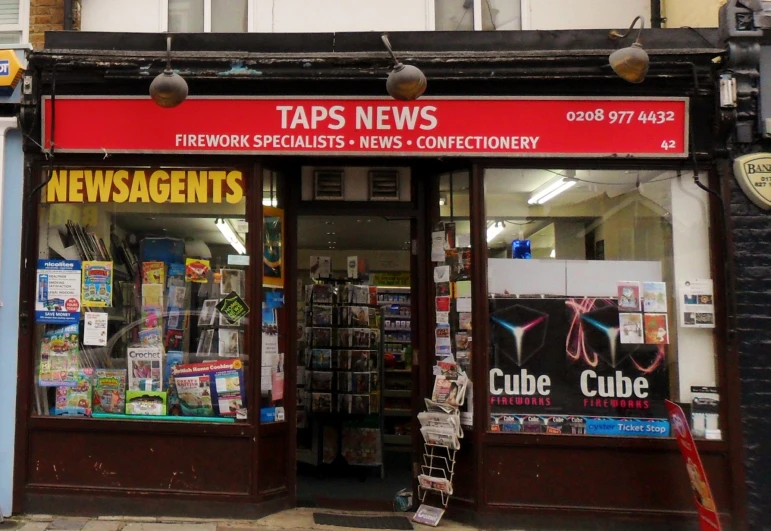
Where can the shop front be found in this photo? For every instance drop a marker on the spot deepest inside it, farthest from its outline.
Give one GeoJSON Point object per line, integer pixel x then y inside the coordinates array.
{"type": "Point", "coordinates": [544, 236]}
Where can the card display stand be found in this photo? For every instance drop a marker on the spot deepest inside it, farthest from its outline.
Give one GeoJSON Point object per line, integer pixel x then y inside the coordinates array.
{"type": "Point", "coordinates": [340, 392]}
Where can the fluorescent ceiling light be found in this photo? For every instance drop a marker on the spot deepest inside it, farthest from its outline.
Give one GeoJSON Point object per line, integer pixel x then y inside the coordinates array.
{"type": "Point", "coordinates": [551, 191]}
{"type": "Point", "coordinates": [494, 230]}
{"type": "Point", "coordinates": [269, 201]}
{"type": "Point", "coordinates": [553, 253]}
{"type": "Point", "coordinates": [227, 231]}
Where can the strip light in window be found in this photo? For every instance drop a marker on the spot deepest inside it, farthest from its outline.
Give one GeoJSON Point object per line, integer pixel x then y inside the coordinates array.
{"type": "Point", "coordinates": [551, 191]}
{"type": "Point", "coordinates": [230, 235]}
{"type": "Point", "coordinates": [494, 230]}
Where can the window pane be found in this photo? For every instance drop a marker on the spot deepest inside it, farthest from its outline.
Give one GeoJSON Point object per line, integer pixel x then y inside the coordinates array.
{"type": "Point", "coordinates": [452, 281]}
{"type": "Point", "coordinates": [10, 37]}
{"type": "Point", "coordinates": [501, 15]}
{"type": "Point", "coordinates": [157, 260]}
{"type": "Point", "coordinates": [186, 16]}
{"type": "Point", "coordinates": [9, 11]}
{"type": "Point", "coordinates": [585, 271]}
{"type": "Point", "coordinates": [228, 16]}
{"type": "Point", "coordinates": [454, 15]}
{"type": "Point", "coordinates": [274, 311]}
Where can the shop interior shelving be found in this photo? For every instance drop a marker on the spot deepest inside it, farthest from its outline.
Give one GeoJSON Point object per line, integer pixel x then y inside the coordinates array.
{"type": "Point", "coordinates": [396, 331]}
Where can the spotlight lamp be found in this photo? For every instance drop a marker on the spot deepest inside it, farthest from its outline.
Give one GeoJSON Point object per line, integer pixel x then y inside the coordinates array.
{"type": "Point", "coordinates": [168, 89]}
{"type": "Point", "coordinates": [630, 63]}
{"type": "Point", "coordinates": [405, 82]}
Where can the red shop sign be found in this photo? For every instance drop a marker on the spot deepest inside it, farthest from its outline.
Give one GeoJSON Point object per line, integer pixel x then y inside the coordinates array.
{"type": "Point", "coordinates": [702, 494]}
{"type": "Point", "coordinates": [495, 127]}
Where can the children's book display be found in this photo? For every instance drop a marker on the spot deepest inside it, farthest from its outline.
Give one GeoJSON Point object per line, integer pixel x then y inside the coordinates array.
{"type": "Point", "coordinates": [339, 375]}
{"type": "Point", "coordinates": [440, 426]}
{"type": "Point", "coordinates": [177, 362]}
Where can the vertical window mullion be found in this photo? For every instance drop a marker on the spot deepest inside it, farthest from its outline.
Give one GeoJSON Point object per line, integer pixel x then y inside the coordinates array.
{"type": "Point", "coordinates": [525, 23]}
{"type": "Point", "coordinates": [207, 16]}
{"type": "Point", "coordinates": [478, 15]}
{"type": "Point", "coordinates": [24, 8]}
{"type": "Point", "coordinates": [250, 25]}
{"type": "Point", "coordinates": [430, 15]}
{"type": "Point", "coordinates": [164, 15]}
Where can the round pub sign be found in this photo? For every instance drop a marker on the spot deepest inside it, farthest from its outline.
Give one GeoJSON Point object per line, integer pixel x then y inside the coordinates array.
{"type": "Point", "coordinates": [753, 173]}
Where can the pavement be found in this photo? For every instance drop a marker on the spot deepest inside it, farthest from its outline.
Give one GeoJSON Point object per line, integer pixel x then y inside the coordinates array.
{"type": "Point", "coordinates": [291, 519]}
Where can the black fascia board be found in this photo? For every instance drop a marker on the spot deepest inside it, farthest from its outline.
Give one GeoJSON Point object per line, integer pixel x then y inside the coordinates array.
{"type": "Point", "coordinates": [362, 42]}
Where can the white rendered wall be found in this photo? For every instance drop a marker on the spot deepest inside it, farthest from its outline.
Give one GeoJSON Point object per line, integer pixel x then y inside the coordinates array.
{"type": "Point", "coordinates": [582, 14]}
{"type": "Point", "coordinates": [122, 16]}
{"type": "Point", "coordinates": [690, 237]}
{"type": "Point", "coordinates": [316, 16]}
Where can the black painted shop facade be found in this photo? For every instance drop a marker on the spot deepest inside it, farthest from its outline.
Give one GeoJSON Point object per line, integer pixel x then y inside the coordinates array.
{"type": "Point", "coordinates": [579, 478]}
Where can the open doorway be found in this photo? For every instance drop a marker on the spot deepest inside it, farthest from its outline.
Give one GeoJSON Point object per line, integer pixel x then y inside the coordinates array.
{"type": "Point", "coordinates": [354, 380]}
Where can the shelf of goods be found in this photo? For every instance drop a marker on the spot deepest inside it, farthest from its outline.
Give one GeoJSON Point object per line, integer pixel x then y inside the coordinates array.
{"type": "Point", "coordinates": [396, 311]}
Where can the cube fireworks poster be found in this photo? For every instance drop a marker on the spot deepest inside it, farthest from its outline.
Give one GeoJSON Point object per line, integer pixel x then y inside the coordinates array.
{"type": "Point", "coordinates": [527, 361]}
{"type": "Point", "coordinates": [608, 378]}
{"type": "Point", "coordinates": [558, 366]}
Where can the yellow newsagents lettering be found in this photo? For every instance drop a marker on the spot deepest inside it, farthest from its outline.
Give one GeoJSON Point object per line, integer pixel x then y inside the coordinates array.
{"type": "Point", "coordinates": [145, 186]}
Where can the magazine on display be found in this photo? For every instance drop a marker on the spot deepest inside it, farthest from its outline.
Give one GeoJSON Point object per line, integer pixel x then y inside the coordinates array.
{"type": "Point", "coordinates": [75, 400]}
{"type": "Point", "coordinates": [229, 343]}
{"type": "Point", "coordinates": [232, 280]}
{"type": "Point", "coordinates": [145, 368]}
{"type": "Point", "coordinates": [208, 312]}
{"type": "Point", "coordinates": [220, 386]}
{"type": "Point", "coordinates": [448, 392]}
{"type": "Point", "coordinates": [59, 356]}
{"type": "Point", "coordinates": [205, 341]}
{"type": "Point", "coordinates": [194, 394]}
{"type": "Point", "coordinates": [441, 436]}
{"type": "Point", "coordinates": [442, 485]}
{"type": "Point", "coordinates": [109, 391]}
{"type": "Point", "coordinates": [432, 420]}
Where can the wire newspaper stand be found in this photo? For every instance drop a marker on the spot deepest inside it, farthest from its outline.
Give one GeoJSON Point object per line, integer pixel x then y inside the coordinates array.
{"type": "Point", "coordinates": [441, 430]}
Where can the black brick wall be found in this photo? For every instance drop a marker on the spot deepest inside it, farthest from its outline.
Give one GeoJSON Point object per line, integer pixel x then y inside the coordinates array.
{"type": "Point", "coordinates": [752, 284]}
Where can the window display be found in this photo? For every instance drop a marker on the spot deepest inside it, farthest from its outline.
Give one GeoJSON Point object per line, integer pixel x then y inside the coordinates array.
{"type": "Point", "coordinates": [584, 337]}
{"type": "Point", "coordinates": [451, 258]}
{"type": "Point", "coordinates": [142, 301]}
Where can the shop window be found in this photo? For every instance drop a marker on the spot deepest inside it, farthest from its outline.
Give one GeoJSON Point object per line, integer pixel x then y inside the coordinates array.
{"type": "Point", "coordinates": [274, 314]}
{"type": "Point", "coordinates": [14, 21]}
{"type": "Point", "coordinates": [191, 16]}
{"type": "Point", "coordinates": [142, 303]}
{"type": "Point", "coordinates": [451, 256]}
{"type": "Point", "coordinates": [600, 302]}
{"type": "Point", "coordinates": [507, 15]}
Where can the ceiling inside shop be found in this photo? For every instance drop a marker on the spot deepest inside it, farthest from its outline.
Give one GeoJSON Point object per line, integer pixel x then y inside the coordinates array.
{"type": "Point", "coordinates": [198, 228]}
{"type": "Point", "coordinates": [510, 189]}
{"type": "Point", "coordinates": [351, 233]}
{"type": "Point", "coordinates": [314, 232]}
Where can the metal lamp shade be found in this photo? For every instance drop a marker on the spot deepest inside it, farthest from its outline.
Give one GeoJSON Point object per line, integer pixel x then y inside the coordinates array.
{"type": "Point", "coordinates": [406, 82]}
{"type": "Point", "coordinates": [168, 89]}
{"type": "Point", "coordinates": [631, 64]}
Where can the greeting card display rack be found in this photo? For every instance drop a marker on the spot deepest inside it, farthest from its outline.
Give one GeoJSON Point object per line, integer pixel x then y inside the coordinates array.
{"type": "Point", "coordinates": [343, 373]}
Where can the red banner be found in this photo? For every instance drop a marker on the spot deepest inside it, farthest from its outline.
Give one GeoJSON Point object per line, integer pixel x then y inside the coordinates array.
{"type": "Point", "coordinates": [702, 494]}
{"type": "Point", "coordinates": [496, 127]}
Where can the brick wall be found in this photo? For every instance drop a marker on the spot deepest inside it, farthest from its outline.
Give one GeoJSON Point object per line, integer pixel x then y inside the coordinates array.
{"type": "Point", "coordinates": [752, 285]}
{"type": "Point", "coordinates": [48, 15]}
